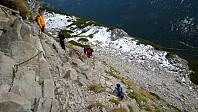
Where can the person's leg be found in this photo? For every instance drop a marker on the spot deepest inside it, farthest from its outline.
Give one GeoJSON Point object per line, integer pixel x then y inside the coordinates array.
{"type": "Point", "coordinates": [42, 29]}
{"type": "Point", "coordinates": [63, 45]}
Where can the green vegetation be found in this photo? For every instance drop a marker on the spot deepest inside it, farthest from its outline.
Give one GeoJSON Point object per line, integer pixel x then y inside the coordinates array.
{"type": "Point", "coordinates": [93, 64]}
{"type": "Point", "coordinates": [91, 35]}
{"type": "Point", "coordinates": [30, 17]}
{"type": "Point", "coordinates": [21, 7]}
{"type": "Point", "coordinates": [194, 75]}
{"type": "Point", "coordinates": [83, 40]}
{"type": "Point", "coordinates": [175, 109]}
{"type": "Point", "coordinates": [104, 63]}
{"type": "Point", "coordinates": [95, 88]}
{"type": "Point", "coordinates": [130, 108]}
{"type": "Point", "coordinates": [170, 55]}
{"type": "Point", "coordinates": [119, 110]}
{"type": "Point", "coordinates": [79, 83]}
{"type": "Point", "coordinates": [84, 22]}
{"type": "Point", "coordinates": [99, 105]}
{"type": "Point", "coordinates": [66, 57]}
{"type": "Point", "coordinates": [112, 74]}
{"type": "Point", "coordinates": [85, 75]}
{"type": "Point", "coordinates": [139, 94]}
{"type": "Point", "coordinates": [114, 101]}
{"type": "Point", "coordinates": [148, 108]}
{"type": "Point", "coordinates": [146, 42]}
{"type": "Point", "coordinates": [78, 44]}
{"type": "Point", "coordinates": [155, 95]}
{"type": "Point", "coordinates": [111, 68]}
{"type": "Point", "coordinates": [67, 34]}
{"type": "Point", "coordinates": [75, 64]}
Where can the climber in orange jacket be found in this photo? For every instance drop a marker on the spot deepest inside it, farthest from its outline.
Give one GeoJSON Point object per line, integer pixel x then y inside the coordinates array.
{"type": "Point", "coordinates": [41, 21]}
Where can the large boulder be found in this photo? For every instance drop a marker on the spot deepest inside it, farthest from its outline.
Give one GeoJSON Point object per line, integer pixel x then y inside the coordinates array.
{"type": "Point", "coordinates": [48, 88]}
{"type": "Point", "coordinates": [43, 105]}
{"type": "Point", "coordinates": [6, 72]}
{"type": "Point", "coordinates": [117, 34]}
{"type": "Point", "coordinates": [26, 79]}
{"type": "Point", "coordinates": [10, 102]}
{"type": "Point", "coordinates": [72, 74]}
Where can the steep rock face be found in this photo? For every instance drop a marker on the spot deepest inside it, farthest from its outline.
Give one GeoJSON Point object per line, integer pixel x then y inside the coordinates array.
{"type": "Point", "coordinates": [23, 87]}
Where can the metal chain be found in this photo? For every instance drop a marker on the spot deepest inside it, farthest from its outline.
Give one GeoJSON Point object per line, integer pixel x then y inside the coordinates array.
{"type": "Point", "coordinates": [19, 64]}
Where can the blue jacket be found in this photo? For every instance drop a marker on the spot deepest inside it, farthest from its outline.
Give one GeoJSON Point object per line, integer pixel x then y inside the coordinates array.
{"type": "Point", "coordinates": [115, 92]}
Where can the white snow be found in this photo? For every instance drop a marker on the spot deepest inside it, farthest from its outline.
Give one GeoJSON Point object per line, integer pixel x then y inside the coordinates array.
{"type": "Point", "coordinates": [127, 47]}
{"type": "Point", "coordinates": [57, 21]}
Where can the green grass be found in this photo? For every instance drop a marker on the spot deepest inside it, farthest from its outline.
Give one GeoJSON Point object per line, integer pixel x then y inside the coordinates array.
{"type": "Point", "coordinates": [114, 101]}
{"type": "Point", "coordinates": [78, 44]}
{"type": "Point", "coordinates": [111, 68]}
{"type": "Point", "coordinates": [155, 95]}
{"type": "Point", "coordinates": [139, 94]}
{"type": "Point", "coordinates": [174, 108]}
{"type": "Point", "coordinates": [22, 8]}
{"type": "Point", "coordinates": [194, 75]}
{"type": "Point", "coordinates": [79, 83]}
{"type": "Point", "coordinates": [83, 40]}
{"type": "Point", "coordinates": [95, 88]}
{"type": "Point", "coordinates": [170, 55]}
{"type": "Point", "coordinates": [93, 64]}
{"type": "Point", "coordinates": [91, 35]}
{"type": "Point", "coordinates": [112, 74]}
{"type": "Point", "coordinates": [130, 108]}
{"type": "Point", "coordinates": [148, 108]}
{"type": "Point", "coordinates": [119, 110]}
{"type": "Point", "coordinates": [146, 42]}
{"type": "Point", "coordinates": [67, 34]}
{"type": "Point", "coordinates": [104, 63]}
{"type": "Point", "coordinates": [99, 105]}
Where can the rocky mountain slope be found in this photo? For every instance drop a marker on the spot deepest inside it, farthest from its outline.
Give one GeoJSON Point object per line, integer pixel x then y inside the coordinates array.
{"type": "Point", "coordinates": [53, 80]}
{"type": "Point", "coordinates": [172, 24]}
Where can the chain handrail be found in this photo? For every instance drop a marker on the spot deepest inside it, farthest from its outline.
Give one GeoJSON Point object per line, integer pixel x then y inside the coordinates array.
{"type": "Point", "coordinates": [19, 64]}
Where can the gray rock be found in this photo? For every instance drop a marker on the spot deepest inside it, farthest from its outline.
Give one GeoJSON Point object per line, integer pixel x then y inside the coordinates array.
{"type": "Point", "coordinates": [117, 34]}
{"type": "Point", "coordinates": [26, 80]}
{"type": "Point", "coordinates": [22, 51]}
{"type": "Point", "coordinates": [55, 106]}
{"type": "Point", "coordinates": [43, 105]}
{"type": "Point", "coordinates": [13, 102]}
{"type": "Point", "coordinates": [18, 90]}
{"type": "Point", "coordinates": [72, 74]}
{"type": "Point", "coordinates": [44, 71]}
{"type": "Point", "coordinates": [6, 72]}
{"type": "Point", "coordinates": [48, 88]}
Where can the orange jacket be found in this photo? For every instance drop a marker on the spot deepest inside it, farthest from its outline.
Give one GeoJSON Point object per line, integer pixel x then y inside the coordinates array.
{"type": "Point", "coordinates": [40, 20]}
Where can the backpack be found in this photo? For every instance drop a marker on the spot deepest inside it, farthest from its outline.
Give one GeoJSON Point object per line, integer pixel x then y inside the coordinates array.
{"type": "Point", "coordinates": [120, 93]}
{"type": "Point", "coordinates": [89, 51]}
{"type": "Point", "coordinates": [36, 19]}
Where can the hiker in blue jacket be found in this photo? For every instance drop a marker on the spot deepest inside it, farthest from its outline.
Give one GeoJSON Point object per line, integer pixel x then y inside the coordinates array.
{"type": "Point", "coordinates": [118, 91]}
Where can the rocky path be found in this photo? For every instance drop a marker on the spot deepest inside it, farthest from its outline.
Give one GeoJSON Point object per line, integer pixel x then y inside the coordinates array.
{"type": "Point", "coordinates": [149, 75]}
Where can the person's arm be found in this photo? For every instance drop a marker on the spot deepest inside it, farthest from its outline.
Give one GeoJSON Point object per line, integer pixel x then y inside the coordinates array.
{"type": "Point", "coordinates": [63, 37]}
{"type": "Point", "coordinates": [115, 92]}
{"type": "Point", "coordinates": [39, 21]}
